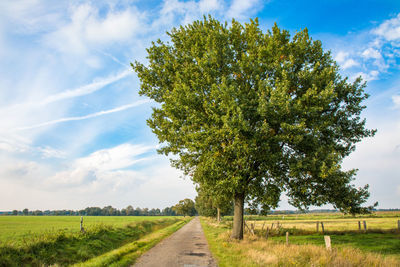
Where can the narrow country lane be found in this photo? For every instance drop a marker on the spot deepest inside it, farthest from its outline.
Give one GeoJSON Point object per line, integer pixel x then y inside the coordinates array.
{"type": "Point", "coordinates": [187, 247]}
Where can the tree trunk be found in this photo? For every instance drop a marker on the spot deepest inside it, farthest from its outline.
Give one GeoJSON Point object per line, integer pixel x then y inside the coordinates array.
{"type": "Point", "coordinates": [218, 215]}
{"type": "Point", "coordinates": [237, 231]}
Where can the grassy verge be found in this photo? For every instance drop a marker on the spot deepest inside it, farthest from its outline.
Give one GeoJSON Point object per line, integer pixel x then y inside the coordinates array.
{"type": "Point", "coordinates": [128, 254]}
{"type": "Point", "coordinates": [256, 251]}
{"type": "Point", "coordinates": [63, 248]}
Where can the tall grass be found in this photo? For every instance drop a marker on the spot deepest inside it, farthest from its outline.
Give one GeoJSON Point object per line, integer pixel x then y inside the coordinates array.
{"type": "Point", "coordinates": [257, 251]}
{"type": "Point", "coordinates": [65, 248]}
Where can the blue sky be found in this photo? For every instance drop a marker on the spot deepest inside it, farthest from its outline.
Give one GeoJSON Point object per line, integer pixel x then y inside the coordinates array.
{"type": "Point", "coordinates": [73, 128]}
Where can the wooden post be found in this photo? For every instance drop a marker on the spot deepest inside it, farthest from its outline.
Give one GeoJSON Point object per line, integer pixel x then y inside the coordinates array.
{"type": "Point", "coordinates": [266, 235]}
{"type": "Point", "coordinates": [287, 238]}
{"type": "Point", "coordinates": [82, 229]}
{"type": "Point", "coordinates": [322, 227]}
{"type": "Point", "coordinates": [359, 225]}
{"type": "Point", "coordinates": [262, 228]}
{"type": "Point", "coordinates": [317, 227]}
{"type": "Point", "coordinates": [327, 242]}
{"type": "Point", "coordinates": [365, 225]}
{"type": "Point", "coordinates": [251, 231]}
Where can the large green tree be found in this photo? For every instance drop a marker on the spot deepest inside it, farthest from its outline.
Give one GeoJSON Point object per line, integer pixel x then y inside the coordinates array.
{"type": "Point", "coordinates": [256, 114]}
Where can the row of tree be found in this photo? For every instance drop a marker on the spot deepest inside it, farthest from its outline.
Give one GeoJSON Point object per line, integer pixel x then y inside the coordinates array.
{"type": "Point", "coordinates": [107, 211]}
{"type": "Point", "coordinates": [251, 115]}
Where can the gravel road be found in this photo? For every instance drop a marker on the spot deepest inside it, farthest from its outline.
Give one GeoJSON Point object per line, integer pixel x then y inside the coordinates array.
{"type": "Point", "coordinates": [187, 247]}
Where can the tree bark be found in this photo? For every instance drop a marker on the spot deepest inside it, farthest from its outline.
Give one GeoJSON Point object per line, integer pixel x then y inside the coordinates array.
{"type": "Point", "coordinates": [237, 231]}
{"type": "Point", "coordinates": [218, 215]}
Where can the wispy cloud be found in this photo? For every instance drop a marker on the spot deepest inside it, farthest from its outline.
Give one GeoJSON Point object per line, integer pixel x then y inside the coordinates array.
{"type": "Point", "coordinates": [88, 28]}
{"type": "Point", "coordinates": [371, 53]}
{"type": "Point", "coordinates": [86, 89]}
{"type": "Point", "coordinates": [396, 101]}
{"type": "Point", "coordinates": [93, 115]}
{"type": "Point", "coordinates": [90, 88]}
{"type": "Point", "coordinates": [240, 9]}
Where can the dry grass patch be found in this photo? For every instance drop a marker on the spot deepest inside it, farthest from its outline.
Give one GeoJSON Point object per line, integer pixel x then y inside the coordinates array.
{"type": "Point", "coordinates": [256, 251]}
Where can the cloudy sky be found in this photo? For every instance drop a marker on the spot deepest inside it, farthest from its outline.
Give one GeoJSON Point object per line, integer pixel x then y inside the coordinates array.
{"type": "Point", "coordinates": [73, 129]}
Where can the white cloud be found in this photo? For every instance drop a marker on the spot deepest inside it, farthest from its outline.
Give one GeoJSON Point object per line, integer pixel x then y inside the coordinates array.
{"type": "Point", "coordinates": [210, 5]}
{"type": "Point", "coordinates": [102, 165]}
{"type": "Point", "coordinates": [32, 16]}
{"type": "Point", "coordinates": [371, 53]}
{"type": "Point", "coordinates": [88, 30]}
{"type": "Point", "coordinates": [389, 30]}
{"type": "Point", "coordinates": [118, 157]}
{"type": "Point", "coordinates": [369, 76]}
{"type": "Point", "coordinates": [240, 9]}
{"type": "Point", "coordinates": [342, 58]}
{"type": "Point", "coordinates": [350, 63]}
{"type": "Point", "coordinates": [396, 101]}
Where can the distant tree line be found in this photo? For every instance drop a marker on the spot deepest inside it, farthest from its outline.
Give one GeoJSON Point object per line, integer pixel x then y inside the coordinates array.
{"type": "Point", "coordinates": [97, 211]}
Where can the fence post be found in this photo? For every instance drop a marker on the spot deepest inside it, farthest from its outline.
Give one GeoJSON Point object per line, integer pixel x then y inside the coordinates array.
{"type": "Point", "coordinates": [322, 227]}
{"type": "Point", "coordinates": [359, 225]}
{"type": "Point", "coordinates": [262, 228]}
{"type": "Point", "coordinates": [365, 226]}
{"type": "Point", "coordinates": [287, 238]}
{"type": "Point", "coordinates": [327, 242]}
{"type": "Point", "coordinates": [266, 235]}
{"type": "Point", "coordinates": [82, 229]}
{"type": "Point", "coordinates": [317, 227]}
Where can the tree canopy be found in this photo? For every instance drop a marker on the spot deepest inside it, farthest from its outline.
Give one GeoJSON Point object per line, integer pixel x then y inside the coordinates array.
{"type": "Point", "coordinates": [253, 115]}
{"type": "Point", "coordinates": [185, 207]}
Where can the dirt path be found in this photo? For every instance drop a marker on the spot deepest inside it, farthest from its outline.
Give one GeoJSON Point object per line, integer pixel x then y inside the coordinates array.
{"type": "Point", "coordinates": [187, 247]}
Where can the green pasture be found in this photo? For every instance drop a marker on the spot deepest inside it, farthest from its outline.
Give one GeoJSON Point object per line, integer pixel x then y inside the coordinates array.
{"type": "Point", "coordinates": [56, 240]}
{"type": "Point", "coordinates": [17, 229]}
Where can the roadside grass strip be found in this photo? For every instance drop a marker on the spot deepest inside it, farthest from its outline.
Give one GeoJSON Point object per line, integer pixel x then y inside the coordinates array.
{"type": "Point", "coordinates": [129, 253]}
{"type": "Point", "coordinates": [255, 250]}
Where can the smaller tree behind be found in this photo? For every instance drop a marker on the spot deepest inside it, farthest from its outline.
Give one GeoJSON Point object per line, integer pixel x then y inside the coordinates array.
{"type": "Point", "coordinates": [210, 204]}
{"type": "Point", "coordinates": [185, 207]}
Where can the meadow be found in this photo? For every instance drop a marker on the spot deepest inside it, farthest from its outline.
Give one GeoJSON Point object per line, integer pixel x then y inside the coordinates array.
{"type": "Point", "coordinates": [18, 229]}
{"type": "Point", "coordinates": [379, 245]}
{"type": "Point", "coordinates": [57, 240]}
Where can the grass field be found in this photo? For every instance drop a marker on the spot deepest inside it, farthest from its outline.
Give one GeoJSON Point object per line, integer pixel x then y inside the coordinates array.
{"type": "Point", "coordinates": [378, 246]}
{"type": "Point", "coordinates": [21, 229]}
{"type": "Point", "coordinates": [54, 240]}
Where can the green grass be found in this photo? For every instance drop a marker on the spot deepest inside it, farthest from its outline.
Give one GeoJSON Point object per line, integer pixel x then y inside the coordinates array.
{"type": "Point", "coordinates": [19, 229]}
{"type": "Point", "coordinates": [67, 246]}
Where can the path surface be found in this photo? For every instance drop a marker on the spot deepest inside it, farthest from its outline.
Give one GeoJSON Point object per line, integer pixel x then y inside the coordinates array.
{"type": "Point", "coordinates": [187, 247]}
